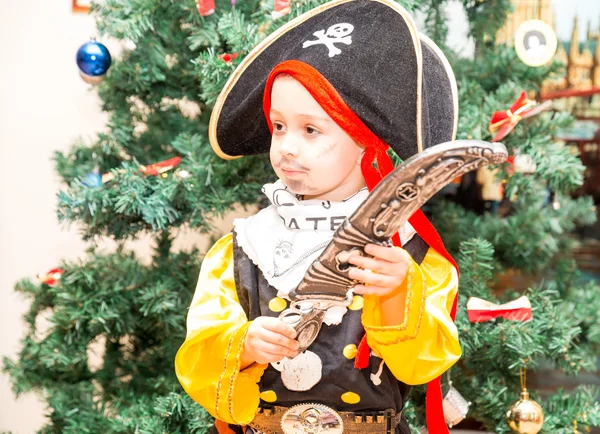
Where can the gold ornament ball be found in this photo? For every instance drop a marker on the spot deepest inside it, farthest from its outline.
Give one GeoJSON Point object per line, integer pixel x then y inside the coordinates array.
{"type": "Point", "coordinates": [525, 416]}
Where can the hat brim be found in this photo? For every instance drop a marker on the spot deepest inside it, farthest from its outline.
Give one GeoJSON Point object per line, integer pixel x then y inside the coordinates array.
{"type": "Point", "coordinates": [440, 85]}
{"type": "Point", "coordinates": [392, 106]}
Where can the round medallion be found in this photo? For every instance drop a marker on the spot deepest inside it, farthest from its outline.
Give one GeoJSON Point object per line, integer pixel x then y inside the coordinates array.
{"type": "Point", "coordinates": [535, 42]}
{"type": "Point", "coordinates": [311, 418]}
{"type": "Point", "coordinates": [300, 373]}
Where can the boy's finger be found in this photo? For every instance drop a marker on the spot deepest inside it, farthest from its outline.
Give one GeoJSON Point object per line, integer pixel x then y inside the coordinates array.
{"type": "Point", "coordinates": [371, 290]}
{"type": "Point", "coordinates": [374, 279]}
{"type": "Point", "coordinates": [265, 357]}
{"type": "Point", "coordinates": [274, 349]}
{"type": "Point", "coordinates": [391, 254]}
{"type": "Point", "coordinates": [278, 326]}
{"type": "Point", "coordinates": [377, 265]}
{"type": "Point", "coordinates": [280, 340]}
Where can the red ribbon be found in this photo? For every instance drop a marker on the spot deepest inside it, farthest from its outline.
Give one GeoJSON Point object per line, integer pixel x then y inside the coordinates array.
{"type": "Point", "coordinates": [160, 167]}
{"type": "Point", "coordinates": [151, 170]}
{"type": "Point", "coordinates": [205, 7]}
{"type": "Point", "coordinates": [282, 7]}
{"type": "Point", "coordinates": [480, 310]}
{"type": "Point", "coordinates": [503, 122]}
{"type": "Point", "coordinates": [52, 277]}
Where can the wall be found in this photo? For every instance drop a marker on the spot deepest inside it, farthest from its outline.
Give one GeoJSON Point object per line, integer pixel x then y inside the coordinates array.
{"type": "Point", "coordinates": [44, 105]}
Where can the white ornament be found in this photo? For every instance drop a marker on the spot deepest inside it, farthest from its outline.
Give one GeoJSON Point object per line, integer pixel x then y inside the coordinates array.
{"type": "Point", "coordinates": [129, 45]}
{"type": "Point", "coordinates": [455, 406]}
{"type": "Point", "coordinates": [524, 164]}
{"type": "Point", "coordinates": [300, 373]}
{"type": "Point", "coordinates": [338, 33]}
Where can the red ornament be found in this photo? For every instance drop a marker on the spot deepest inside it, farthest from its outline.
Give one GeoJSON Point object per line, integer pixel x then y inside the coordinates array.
{"type": "Point", "coordinates": [282, 7]}
{"type": "Point", "coordinates": [205, 7]}
{"type": "Point", "coordinates": [227, 58]}
{"type": "Point", "coordinates": [52, 277]}
{"type": "Point", "coordinates": [153, 169]}
{"type": "Point", "coordinates": [480, 310]}
{"type": "Point", "coordinates": [503, 122]}
{"type": "Point", "coordinates": [161, 167]}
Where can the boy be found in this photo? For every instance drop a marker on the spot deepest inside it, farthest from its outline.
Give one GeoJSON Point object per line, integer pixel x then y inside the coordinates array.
{"type": "Point", "coordinates": [326, 95]}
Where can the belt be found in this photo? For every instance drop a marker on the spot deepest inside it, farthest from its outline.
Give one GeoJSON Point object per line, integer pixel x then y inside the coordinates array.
{"type": "Point", "coordinates": [313, 418]}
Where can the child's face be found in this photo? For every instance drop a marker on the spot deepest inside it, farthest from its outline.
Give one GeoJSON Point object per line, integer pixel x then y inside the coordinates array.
{"type": "Point", "coordinates": [310, 153]}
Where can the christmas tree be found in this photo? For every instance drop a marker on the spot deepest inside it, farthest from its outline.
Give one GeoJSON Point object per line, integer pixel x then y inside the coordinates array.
{"type": "Point", "coordinates": [159, 95]}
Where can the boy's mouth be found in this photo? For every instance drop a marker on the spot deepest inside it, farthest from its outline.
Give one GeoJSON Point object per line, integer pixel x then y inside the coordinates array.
{"type": "Point", "coordinates": [290, 166]}
{"type": "Point", "coordinates": [292, 172]}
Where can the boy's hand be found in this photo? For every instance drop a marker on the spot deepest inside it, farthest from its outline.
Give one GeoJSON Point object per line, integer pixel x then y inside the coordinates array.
{"type": "Point", "coordinates": [383, 273]}
{"type": "Point", "coordinates": [269, 340]}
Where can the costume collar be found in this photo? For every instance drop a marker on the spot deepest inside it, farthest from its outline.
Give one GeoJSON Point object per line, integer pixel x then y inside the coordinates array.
{"type": "Point", "coordinates": [311, 215]}
{"type": "Point", "coordinates": [283, 239]}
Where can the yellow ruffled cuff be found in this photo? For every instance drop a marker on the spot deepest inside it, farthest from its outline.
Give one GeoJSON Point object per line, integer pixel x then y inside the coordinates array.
{"type": "Point", "coordinates": [208, 362]}
{"type": "Point", "coordinates": [426, 344]}
{"type": "Point", "coordinates": [237, 394]}
{"type": "Point", "coordinates": [233, 395]}
{"type": "Point", "coordinates": [416, 294]}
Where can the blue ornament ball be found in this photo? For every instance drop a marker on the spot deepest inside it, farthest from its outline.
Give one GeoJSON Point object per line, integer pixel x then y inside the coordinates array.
{"type": "Point", "coordinates": [93, 59]}
{"type": "Point", "coordinates": [92, 179]}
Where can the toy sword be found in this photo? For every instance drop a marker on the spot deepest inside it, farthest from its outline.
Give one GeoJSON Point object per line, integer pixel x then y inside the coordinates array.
{"type": "Point", "coordinates": [391, 203]}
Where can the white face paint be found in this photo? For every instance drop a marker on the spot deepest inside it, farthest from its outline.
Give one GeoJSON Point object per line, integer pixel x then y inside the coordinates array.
{"type": "Point", "coordinates": [309, 152]}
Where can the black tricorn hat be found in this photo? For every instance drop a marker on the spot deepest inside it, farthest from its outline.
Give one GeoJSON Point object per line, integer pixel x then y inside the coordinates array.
{"type": "Point", "coordinates": [396, 80]}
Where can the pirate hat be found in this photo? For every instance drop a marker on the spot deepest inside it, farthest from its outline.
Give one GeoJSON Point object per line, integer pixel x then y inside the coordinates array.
{"type": "Point", "coordinates": [395, 80]}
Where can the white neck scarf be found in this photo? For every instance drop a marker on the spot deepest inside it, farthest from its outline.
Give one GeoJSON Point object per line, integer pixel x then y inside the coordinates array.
{"type": "Point", "coordinates": [287, 236]}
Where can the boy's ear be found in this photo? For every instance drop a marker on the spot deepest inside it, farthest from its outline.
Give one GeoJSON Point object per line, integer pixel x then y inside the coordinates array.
{"type": "Point", "coordinates": [360, 157]}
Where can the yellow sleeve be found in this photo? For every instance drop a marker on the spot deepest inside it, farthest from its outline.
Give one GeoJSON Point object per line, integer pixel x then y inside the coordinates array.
{"type": "Point", "coordinates": [426, 344]}
{"type": "Point", "coordinates": [208, 363]}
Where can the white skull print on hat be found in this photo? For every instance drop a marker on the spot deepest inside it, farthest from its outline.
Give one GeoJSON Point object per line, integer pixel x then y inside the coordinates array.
{"type": "Point", "coordinates": [338, 33]}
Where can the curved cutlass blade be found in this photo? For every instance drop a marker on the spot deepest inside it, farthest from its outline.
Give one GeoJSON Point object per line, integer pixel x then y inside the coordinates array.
{"type": "Point", "coordinates": [386, 209]}
{"type": "Point", "coordinates": [389, 206]}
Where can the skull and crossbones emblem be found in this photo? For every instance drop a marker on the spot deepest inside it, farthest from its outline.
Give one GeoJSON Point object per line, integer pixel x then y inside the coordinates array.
{"type": "Point", "coordinates": [282, 255]}
{"type": "Point", "coordinates": [336, 33]}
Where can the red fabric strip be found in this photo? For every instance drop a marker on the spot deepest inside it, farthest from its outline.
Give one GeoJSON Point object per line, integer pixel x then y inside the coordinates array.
{"type": "Point", "coordinates": [223, 427]}
{"type": "Point", "coordinates": [520, 314]}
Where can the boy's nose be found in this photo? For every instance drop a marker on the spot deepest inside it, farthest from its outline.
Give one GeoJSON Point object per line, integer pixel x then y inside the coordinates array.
{"type": "Point", "coordinates": [289, 146]}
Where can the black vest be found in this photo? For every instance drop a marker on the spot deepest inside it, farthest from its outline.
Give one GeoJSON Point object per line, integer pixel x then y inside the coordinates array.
{"type": "Point", "coordinates": [339, 374]}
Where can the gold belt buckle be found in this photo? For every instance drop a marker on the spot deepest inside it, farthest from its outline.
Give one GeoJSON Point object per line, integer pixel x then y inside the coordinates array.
{"type": "Point", "coordinates": [311, 418]}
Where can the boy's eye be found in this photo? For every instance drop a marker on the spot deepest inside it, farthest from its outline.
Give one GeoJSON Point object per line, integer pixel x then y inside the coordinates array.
{"type": "Point", "coordinates": [278, 126]}
{"type": "Point", "coordinates": [312, 131]}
